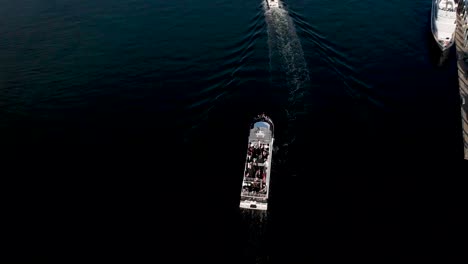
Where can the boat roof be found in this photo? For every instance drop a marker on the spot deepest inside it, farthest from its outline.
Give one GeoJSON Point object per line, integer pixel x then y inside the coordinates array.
{"type": "Point", "coordinates": [273, 3]}
{"type": "Point", "coordinates": [445, 19]}
{"type": "Point", "coordinates": [260, 133]}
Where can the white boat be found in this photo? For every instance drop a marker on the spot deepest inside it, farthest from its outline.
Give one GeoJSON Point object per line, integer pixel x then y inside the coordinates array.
{"type": "Point", "coordinates": [273, 3]}
{"type": "Point", "coordinates": [444, 22]}
{"type": "Point", "coordinates": [257, 171]}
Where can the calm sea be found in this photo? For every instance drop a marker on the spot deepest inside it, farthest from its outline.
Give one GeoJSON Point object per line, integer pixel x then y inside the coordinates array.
{"type": "Point", "coordinates": [129, 121]}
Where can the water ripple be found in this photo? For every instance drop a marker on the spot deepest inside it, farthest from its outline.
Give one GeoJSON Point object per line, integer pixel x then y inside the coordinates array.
{"type": "Point", "coordinates": [225, 76]}
{"type": "Point", "coordinates": [335, 60]}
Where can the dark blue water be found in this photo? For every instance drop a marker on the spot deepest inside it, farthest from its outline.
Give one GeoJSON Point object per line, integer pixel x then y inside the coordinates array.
{"type": "Point", "coordinates": [129, 121]}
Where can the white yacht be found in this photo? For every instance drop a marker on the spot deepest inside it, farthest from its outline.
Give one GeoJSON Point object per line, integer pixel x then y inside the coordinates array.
{"type": "Point", "coordinates": [444, 22]}
{"type": "Point", "coordinates": [257, 171]}
{"type": "Point", "coordinates": [273, 3]}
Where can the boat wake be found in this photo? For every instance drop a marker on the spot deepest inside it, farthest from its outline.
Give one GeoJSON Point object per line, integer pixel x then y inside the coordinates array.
{"type": "Point", "coordinates": [286, 57]}
{"type": "Point", "coordinates": [222, 80]}
{"type": "Point", "coordinates": [337, 61]}
{"type": "Point", "coordinates": [288, 70]}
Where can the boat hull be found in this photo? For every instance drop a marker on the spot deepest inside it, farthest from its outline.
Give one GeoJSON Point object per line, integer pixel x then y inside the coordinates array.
{"type": "Point", "coordinates": [256, 180]}
{"type": "Point", "coordinates": [443, 45]}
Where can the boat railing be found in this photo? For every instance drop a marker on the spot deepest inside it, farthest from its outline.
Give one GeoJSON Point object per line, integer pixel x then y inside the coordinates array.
{"type": "Point", "coordinates": [254, 198]}
{"type": "Point", "coordinates": [260, 164]}
{"type": "Point", "coordinates": [252, 194]}
{"type": "Point", "coordinates": [253, 180]}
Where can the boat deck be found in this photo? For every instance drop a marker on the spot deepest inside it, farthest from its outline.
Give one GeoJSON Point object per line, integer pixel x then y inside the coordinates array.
{"type": "Point", "coordinates": [462, 79]}
{"type": "Point", "coordinates": [256, 180]}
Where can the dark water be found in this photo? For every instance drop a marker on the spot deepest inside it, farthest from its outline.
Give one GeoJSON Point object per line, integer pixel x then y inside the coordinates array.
{"type": "Point", "coordinates": [129, 119]}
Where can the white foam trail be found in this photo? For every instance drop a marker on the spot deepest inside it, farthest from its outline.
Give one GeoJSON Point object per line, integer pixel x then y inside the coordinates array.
{"type": "Point", "coordinates": [287, 56]}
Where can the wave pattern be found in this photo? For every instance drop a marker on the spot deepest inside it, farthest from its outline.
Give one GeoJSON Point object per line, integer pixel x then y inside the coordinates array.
{"type": "Point", "coordinates": [287, 58]}
{"type": "Point", "coordinates": [335, 60]}
{"type": "Point", "coordinates": [227, 75]}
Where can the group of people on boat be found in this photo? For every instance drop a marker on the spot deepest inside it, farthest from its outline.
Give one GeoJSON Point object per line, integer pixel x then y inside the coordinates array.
{"type": "Point", "coordinates": [257, 166]}
{"type": "Point", "coordinates": [258, 152]}
{"type": "Point", "coordinates": [255, 179]}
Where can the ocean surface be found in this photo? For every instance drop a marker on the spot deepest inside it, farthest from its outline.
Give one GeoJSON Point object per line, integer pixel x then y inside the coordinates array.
{"type": "Point", "coordinates": [128, 123]}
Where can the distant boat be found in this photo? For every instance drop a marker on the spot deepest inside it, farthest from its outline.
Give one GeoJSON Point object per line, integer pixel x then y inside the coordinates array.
{"type": "Point", "coordinates": [444, 22]}
{"type": "Point", "coordinates": [273, 3]}
{"type": "Point", "coordinates": [257, 171]}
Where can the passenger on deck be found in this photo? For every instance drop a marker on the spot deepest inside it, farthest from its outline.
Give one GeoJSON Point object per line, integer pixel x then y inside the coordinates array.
{"type": "Point", "coordinates": [258, 152]}
{"type": "Point", "coordinates": [256, 185]}
{"type": "Point", "coordinates": [249, 170]}
{"type": "Point", "coordinates": [257, 173]}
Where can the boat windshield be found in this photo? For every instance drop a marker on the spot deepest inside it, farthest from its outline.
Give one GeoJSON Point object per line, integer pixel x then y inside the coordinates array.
{"type": "Point", "coordinates": [262, 124]}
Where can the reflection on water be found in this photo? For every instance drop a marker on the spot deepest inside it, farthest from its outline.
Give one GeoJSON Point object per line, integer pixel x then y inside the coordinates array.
{"type": "Point", "coordinates": [437, 57]}
{"type": "Point", "coordinates": [440, 58]}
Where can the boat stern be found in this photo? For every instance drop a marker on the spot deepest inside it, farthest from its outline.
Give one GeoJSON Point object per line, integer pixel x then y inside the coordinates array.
{"type": "Point", "coordinates": [252, 204]}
